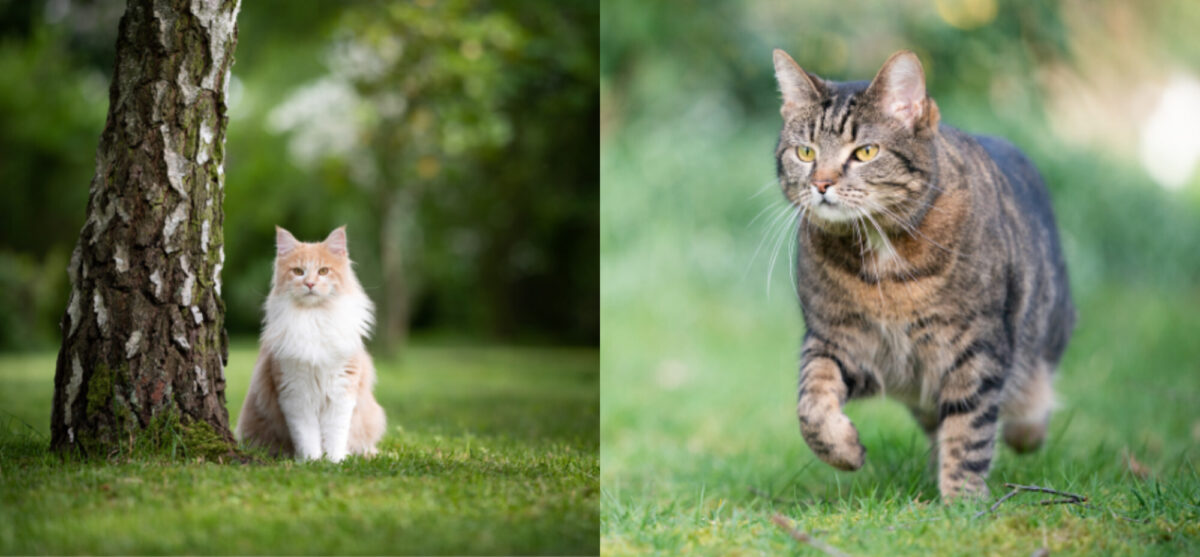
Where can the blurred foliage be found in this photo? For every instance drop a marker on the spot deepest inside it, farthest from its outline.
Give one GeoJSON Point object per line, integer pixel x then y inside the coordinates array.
{"type": "Point", "coordinates": [686, 84]}
{"type": "Point", "coordinates": [461, 135]}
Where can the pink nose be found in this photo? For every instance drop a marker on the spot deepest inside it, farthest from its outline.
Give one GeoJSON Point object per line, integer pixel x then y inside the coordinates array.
{"type": "Point", "coordinates": [309, 285]}
{"type": "Point", "coordinates": [822, 185]}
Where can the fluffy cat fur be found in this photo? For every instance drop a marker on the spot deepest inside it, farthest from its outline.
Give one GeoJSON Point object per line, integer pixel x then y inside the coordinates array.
{"type": "Point", "coordinates": [310, 394]}
{"type": "Point", "coordinates": [929, 268]}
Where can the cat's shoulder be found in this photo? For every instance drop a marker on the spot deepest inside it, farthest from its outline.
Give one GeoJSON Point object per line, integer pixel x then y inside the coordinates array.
{"type": "Point", "coordinates": [1009, 159]}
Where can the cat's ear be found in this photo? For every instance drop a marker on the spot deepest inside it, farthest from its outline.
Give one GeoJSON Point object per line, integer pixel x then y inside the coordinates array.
{"type": "Point", "coordinates": [284, 241]}
{"type": "Point", "coordinates": [799, 88]}
{"type": "Point", "coordinates": [336, 242]}
{"type": "Point", "coordinates": [899, 91]}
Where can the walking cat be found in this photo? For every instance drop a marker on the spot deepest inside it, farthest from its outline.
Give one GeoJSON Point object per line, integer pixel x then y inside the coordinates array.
{"type": "Point", "coordinates": [929, 269]}
{"type": "Point", "coordinates": [310, 394]}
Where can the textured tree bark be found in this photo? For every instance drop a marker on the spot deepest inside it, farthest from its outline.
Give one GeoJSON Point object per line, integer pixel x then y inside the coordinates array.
{"type": "Point", "coordinates": [143, 335]}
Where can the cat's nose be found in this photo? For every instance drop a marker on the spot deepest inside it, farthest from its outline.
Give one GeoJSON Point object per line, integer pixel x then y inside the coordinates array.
{"type": "Point", "coordinates": [309, 284]}
{"type": "Point", "coordinates": [822, 185]}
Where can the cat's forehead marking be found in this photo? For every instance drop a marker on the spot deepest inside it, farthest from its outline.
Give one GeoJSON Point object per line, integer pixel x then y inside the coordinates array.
{"type": "Point", "coordinates": [840, 112]}
{"type": "Point", "coordinates": [309, 255]}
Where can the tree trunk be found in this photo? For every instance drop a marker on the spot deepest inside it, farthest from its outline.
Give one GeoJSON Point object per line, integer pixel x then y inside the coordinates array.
{"type": "Point", "coordinates": [144, 342]}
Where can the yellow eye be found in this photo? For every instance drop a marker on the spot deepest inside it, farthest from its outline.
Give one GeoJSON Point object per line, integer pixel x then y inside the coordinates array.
{"type": "Point", "coordinates": [297, 271]}
{"type": "Point", "coordinates": [866, 152]}
{"type": "Point", "coordinates": [806, 153]}
{"type": "Point", "coordinates": [324, 271]}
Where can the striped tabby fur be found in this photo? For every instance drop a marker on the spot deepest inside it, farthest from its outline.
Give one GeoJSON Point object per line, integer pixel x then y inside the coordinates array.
{"type": "Point", "coordinates": [931, 272]}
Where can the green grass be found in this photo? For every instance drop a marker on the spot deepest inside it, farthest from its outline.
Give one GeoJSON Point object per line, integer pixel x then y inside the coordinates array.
{"type": "Point", "coordinates": [489, 450]}
{"type": "Point", "coordinates": [701, 448]}
{"type": "Point", "coordinates": [700, 444]}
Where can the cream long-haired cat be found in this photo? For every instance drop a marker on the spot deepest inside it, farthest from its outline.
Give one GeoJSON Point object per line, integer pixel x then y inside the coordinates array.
{"type": "Point", "coordinates": [310, 394]}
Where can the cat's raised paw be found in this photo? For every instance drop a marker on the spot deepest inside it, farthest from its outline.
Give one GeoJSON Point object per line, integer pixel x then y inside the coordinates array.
{"type": "Point", "coordinates": [835, 441]}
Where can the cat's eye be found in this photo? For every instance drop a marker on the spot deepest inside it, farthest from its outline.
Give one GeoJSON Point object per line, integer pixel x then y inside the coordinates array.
{"type": "Point", "coordinates": [297, 271]}
{"type": "Point", "coordinates": [323, 271]}
{"type": "Point", "coordinates": [806, 153]}
{"type": "Point", "coordinates": [866, 152]}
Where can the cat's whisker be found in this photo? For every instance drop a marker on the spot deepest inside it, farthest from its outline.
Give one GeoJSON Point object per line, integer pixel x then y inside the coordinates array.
{"type": "Point", "coordinates": [779, 243]}
{"type": "Point", "coordinates": [792, 241]}
{"type": "Point", "coordinates": [772, 182]}
{"type": "Point", "coordinates": [904, 224]}
{"type": "Point", "coordinates": [762, 212]}
{"type": "Point", "coordinates": [781, 211]}
{"type": "Point", "coordinates": [905, 269]}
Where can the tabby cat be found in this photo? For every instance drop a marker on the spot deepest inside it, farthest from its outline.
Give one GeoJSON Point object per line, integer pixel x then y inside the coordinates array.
{"type": "Point", "coordinates": [929, 269]}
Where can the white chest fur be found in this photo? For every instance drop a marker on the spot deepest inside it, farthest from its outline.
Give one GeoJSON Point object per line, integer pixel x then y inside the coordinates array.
{"type": "Point", "coordinates": [901, 366]}
{"type": "Point", "coordinates": [321, 336]}
{"type": "Point", "coordinates": [311, 346]}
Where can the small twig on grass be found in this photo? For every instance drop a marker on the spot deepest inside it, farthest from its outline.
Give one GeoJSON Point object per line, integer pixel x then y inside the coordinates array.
{"type": "Point", "coordinates": [1067, 501]}
{"type": "Point", "coordinates": [785, 525]}
{"type": "Point", "coordinates": [1046, 490]}
{"type": "Point", "coordinates": [1068, 498]}
{"type": "Point", "coordinates": [997, 503]}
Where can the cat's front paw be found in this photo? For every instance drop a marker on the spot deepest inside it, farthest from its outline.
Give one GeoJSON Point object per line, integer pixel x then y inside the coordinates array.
{"type": "Point", "coordinates": [834, 440]}
{"type": "Point", "coordinates": [307, 453]}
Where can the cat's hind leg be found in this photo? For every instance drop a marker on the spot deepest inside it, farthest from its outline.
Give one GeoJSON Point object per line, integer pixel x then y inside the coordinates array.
{"type": "Point", "coordinates": [968, 409]}
{"type": "Point", "coordinates": [1026, 413]}
{"type": "Point", "coordinates": [369, 422]}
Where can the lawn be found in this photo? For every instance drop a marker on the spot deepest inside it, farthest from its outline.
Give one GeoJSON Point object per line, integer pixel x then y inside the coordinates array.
{"type": "Point", "coordinates": [699, 349]}
{"type": "Point", "coordinates": [489, 450]}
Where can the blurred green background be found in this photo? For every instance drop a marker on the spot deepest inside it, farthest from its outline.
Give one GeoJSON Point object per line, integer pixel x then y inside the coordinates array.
{"type": "Point", "coordinates": [456, 138]}
{"type": "Point", "coordinates": [701, 328]}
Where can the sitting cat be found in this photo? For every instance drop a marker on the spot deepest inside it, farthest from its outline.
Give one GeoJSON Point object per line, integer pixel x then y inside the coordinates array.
{"type": "Point", "coordinates": [310, 394]}
{"type": "Point", "coordinates": [929, 268]}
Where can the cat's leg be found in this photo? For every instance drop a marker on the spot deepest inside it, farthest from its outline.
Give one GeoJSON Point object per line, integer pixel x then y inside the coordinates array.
{"type": "Point", "coordinates": [335, 422]}
{"type": "Point", "coordinates": [968, 408]}
{"type": "Point", "coordinates": [300, 412]}
{"type": "Point", "coordinates": [368, 422]}
{"type": "Point", "coordinates": [1026, 413]}
{"type": "Point", "coordinates": [825, 385]}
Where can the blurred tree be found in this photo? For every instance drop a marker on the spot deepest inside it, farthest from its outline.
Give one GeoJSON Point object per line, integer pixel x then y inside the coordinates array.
{"type": "Point", "coordinates": [500, 242]}
{"type": "Point", "coordinates": [143, 334]}
{"type": "Point", "coordinates": [472, 125]}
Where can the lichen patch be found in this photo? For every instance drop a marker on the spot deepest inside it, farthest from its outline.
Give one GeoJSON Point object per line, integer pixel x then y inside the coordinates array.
{"type": "Point", "coordinates": [121, 258]}
{"type": "Point", "coordinates": [177, 165]}
{"type": "Point", "coordinates": [189, 280]}
{"type": "Point", "coordinates": [204, 231]}
{"type": "Point", "coordinates": [202, 380]}
{"type": "Point", "coordinates": [156, 280]}
{"type": "Point", "coordinates": [73, 387]}
{"type": "Point", "coordinates": [101, 312]}
{"type": "Point", "coordinates": [132, 345]}
{"type": "Point", "coordinates": [175, 219]}
{"type": "Point", "coordinates": [73, 311]}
